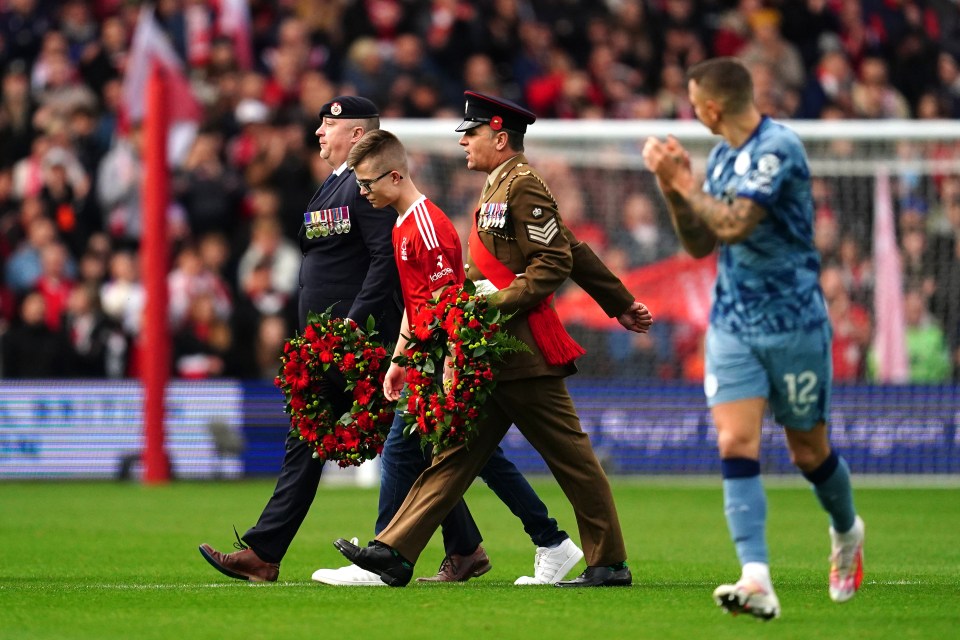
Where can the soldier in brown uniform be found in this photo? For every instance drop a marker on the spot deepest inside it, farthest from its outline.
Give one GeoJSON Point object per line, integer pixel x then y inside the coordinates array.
{"type": "Point", "coordinates": [518, 230]}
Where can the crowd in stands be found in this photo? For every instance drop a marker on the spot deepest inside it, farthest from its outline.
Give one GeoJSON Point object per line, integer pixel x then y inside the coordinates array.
{"type": "Point", "coordinates": [71, 299]}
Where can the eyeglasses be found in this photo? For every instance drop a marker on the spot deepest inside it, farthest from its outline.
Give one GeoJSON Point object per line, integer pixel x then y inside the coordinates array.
{"type": "Point", "coordinates": [366, 184]}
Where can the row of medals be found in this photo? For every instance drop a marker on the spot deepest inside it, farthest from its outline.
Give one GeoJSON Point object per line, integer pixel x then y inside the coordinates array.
{"type": "Point", "coordinates": [493, 215]}
{"type": "Point", "coordinates": [325, 228]}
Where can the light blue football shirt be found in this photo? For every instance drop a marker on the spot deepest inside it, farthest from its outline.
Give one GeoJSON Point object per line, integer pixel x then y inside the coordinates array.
{"type": "Point", "coordinates": [769, 283]}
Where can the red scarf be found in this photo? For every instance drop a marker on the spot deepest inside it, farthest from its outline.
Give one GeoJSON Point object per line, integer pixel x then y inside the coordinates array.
{"type": "Point", "coordinates": [556, 345]}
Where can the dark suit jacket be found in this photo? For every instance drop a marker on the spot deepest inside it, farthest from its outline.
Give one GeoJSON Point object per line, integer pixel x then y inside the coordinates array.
{"type": "Point", "coordinates": [354, 271]}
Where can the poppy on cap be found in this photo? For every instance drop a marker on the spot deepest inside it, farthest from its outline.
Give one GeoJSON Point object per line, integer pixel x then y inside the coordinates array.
{"type": "Point", "coordinates": [499, 113]}
{"type": "Point", "coordinates": [349, 107]}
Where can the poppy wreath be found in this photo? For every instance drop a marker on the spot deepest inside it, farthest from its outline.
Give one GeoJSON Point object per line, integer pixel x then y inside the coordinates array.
{"type": "Point", "coordinates": [326, 342]}
{"type": "Point", "coordinates": [464, 329]}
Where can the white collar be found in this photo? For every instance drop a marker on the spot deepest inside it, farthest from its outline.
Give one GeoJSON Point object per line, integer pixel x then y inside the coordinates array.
{"type": "Point", "coordinates": [415, 204]}
{"type": "Point", "coordinates": [339, 170]}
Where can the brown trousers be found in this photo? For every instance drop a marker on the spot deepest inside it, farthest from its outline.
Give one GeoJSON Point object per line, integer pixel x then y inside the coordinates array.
{"type": "Point", "coordinates": [543, 412]}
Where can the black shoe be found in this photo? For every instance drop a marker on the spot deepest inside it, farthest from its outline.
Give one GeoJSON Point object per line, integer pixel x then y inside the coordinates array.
{"type": "Point", "coordinates": [600, 577]}
{"type": "Point", "coordinates": [393, 569]}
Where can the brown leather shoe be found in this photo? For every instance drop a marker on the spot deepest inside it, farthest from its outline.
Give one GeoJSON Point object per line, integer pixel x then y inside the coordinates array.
{"type": "Point", "coordinates": [456, 568]}
{"type": "Point", "coordinates": [242, 565]}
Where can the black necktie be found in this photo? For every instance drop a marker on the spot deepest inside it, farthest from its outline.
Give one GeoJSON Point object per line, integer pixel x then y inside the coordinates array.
{"type": "Point", "coordinates": [326, 183]}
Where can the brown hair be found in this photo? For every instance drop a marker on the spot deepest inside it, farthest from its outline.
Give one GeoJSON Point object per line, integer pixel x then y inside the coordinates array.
{"type": "Point", "coordinates": [382, 149]}
{"type": "Point", "coordinates": [726, 80]}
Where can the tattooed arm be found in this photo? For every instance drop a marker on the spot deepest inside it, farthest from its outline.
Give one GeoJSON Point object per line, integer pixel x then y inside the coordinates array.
{"type": "Point", "coordinates": [695, 236]}
{"type": "Point", "coordinates": [699, 219]}
{"type": "Point", "coordinates": [728, 223]}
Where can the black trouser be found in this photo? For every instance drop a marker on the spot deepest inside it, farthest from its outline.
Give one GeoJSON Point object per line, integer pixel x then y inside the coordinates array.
{"type": "Point", "coordinates": [296, 488]}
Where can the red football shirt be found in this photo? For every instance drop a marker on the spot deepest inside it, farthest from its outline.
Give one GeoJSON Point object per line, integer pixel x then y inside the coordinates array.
{"type": "Point", "coordinates": [427, 249]}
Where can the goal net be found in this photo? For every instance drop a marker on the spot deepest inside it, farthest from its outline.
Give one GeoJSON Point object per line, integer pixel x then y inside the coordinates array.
{"type": "Point", "coordinates": [887, 200]}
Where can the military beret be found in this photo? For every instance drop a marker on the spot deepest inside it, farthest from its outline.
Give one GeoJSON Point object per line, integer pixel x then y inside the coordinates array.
{"type": "Point", "coordinates": [349, 107]}
{"type": "Point", "coordinates": [496, 112]}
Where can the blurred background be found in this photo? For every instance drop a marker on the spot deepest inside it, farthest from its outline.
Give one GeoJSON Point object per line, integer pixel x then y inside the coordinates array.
{"type": "Point", "coordinates": [872, 85]}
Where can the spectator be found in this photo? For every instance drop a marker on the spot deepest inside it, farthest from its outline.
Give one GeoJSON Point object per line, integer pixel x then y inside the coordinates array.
{"type": "Point", "coordinates": [122, 296]}
{"type": "Point", "coordinates": [948, 75]}
{"type": "Point", "coordinates": [480, 75]}
{"type": "Point", "coordinates": [672, 100]}
{"type": "Point", "coordinates": [31, 349]}
{"type": "Point", "coordinates": [99, 344]}
{"type": "Point", "coordinates": [22, 27]}
{"type": "Point", "coordinates": [252, 117]}
{"type": "Point", "coordinates": [119, 183]}
{"type": "Point", "coordinates": [24, 267]}
{"type": "Point", "coordinates": [191, 279]}
{"type": "Point", "coordinates": [874, 96]}
{"type": "Point", "coordinates": [826, 235]}
{"type": "Point", "coordinates": [851, 327]}
{"type": "Point", "coordinates": [10, 231]}
{"type": "Point", "coordinates": [366, 71]}
{"type": "Point", "coordinates": [831, 84]}
{"type": "Point", "coordinates": [54, 283]}
{"type": "Point", "coordinates": [28, 170]}
{"type": "Point", "coordinates": [62, 201]}
{"type": "Point", "coordinates": [856, 270]}
{"type": "Point", "coordinates": [812, 26]}
{"type": "Point", "coordinates": [732, 33]}
{"type": "Point", "coordinates": [768, 46]}
{"type": "Point", "coordinates": [16, 114]}
{"type": "Point", "coordinates": [644, 241]}
{"type": "Point", "coordinates": [257, 301]}
{"type": "Point", "coordinates": [268, 248]}
{"type": "Point", "coordinates": [918, 268]}
{"type": "Point", "coordinates": [273, 331]}
{"type": "Point", "coordinates": [927, 352]}
{"type": "Point", "coordinates": [201, 344]}
{"type": "Point", "coordinates": [103, 59]}
{"type": "Point", "coordinates": [92, 270]}
{"type": "Point", "coordinates": [209, 190]}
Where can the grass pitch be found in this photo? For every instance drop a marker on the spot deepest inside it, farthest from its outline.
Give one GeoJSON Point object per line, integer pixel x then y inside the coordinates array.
{"type": "Point", "coordinates": [108, 560]}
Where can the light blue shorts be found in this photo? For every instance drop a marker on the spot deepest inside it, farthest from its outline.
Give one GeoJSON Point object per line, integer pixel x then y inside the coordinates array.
{"type": "Point", "coordinates": [792, 370]}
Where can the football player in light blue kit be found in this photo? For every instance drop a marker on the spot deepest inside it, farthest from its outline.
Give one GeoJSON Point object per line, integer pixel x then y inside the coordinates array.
{"type": "Point", "coordinates": [769, 335]}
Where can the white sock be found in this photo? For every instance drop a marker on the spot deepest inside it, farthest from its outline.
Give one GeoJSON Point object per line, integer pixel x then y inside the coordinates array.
{"type": "Point", "coordinates": [759, 573]}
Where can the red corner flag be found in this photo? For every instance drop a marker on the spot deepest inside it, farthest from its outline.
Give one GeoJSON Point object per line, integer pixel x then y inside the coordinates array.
{"type": "Point", "coordinates": [155, 356]}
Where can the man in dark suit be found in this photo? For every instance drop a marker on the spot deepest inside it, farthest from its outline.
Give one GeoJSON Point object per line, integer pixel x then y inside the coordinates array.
{"type": "Point", "coordinates": [347, 264]}
{"type": "Point", "coordinates": [518, 230]}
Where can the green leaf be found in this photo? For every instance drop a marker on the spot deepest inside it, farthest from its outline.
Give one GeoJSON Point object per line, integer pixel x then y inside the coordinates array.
{"type": "Point", "coordinates": [479, 351]}
{"type": "Point", "coordinates": [429, 367]}
{"type": "Point", "coordinates": [371, 325]}
{"type": "Point", "coordinates": [469, 286]}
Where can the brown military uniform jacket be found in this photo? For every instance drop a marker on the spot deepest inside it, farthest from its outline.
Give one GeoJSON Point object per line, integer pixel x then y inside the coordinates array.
{"type": "Point", "coordinates": [518, 221]}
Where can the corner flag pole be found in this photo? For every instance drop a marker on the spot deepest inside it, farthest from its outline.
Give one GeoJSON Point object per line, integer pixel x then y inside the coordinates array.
{"type": "Point", "coordinates": [155, 347]}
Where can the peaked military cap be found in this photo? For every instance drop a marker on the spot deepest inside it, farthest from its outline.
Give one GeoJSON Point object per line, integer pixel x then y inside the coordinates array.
{"type": "Point", "coordinates": [496, 112]}
{"type": "Point", "coordinates": [349, 107]}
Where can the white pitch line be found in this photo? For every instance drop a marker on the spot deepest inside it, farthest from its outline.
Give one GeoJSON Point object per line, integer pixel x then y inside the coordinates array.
{"type": "Point", "coordinates": [243, 585]}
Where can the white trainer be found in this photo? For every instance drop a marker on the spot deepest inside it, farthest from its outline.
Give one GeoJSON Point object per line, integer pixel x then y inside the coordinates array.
{"type": "Point", "coordinates": [553, 565]}
{"type": "Point", "coordinates": [349, 576]}
{"type": "Point", "coordinates": [746, 596]}
{"type": "Point", "coordinates": [846, 561]}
